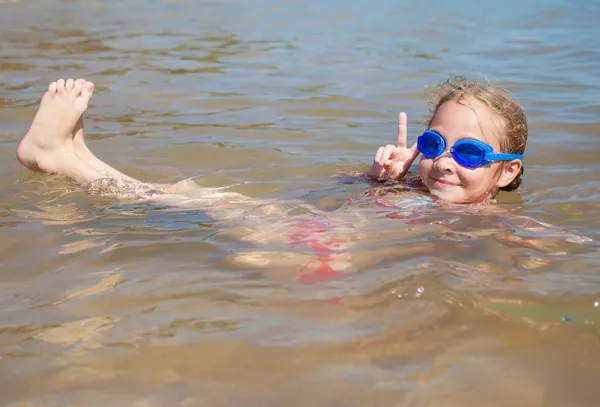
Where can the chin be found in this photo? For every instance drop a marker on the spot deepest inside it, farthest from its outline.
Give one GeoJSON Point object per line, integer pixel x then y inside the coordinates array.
{"type": "Point", "coordinates": [447, 195]}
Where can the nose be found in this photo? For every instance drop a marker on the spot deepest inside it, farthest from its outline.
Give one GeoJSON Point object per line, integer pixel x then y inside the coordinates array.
{"type": "Point", "coordinates": [444, 163]}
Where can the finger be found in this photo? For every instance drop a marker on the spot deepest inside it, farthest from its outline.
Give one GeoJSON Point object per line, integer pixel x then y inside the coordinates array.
{"type": "Point", "coordinates": [378, 155]}
{"type": "Point", "coordinates": [414, 152]}
{"type": "Point", "coordinates": [387, 152]}
{"type": "Point", "coordinates": [375, 172]}
{"type": "Point", "coordinates": [391, 169]}
{"type": "Point", "coordinates": [402, 129]}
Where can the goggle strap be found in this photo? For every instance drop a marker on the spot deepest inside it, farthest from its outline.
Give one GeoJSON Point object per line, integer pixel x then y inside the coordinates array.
{"type": "Point", "coordinates": [505, 157]}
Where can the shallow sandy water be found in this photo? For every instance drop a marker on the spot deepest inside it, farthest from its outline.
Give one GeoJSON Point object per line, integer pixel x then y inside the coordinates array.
{"type": "Point", "coordinates": [107, 302]}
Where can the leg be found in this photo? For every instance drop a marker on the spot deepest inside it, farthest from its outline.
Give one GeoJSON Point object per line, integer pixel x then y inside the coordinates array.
{"type": "Point", "coordinates": [84, 153]}
{"type": "Point", "coordinates": [55, 144]}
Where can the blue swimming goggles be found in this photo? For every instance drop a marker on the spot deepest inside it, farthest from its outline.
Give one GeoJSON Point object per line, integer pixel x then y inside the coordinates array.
{"type": "Point", "coordinates": [467, 152]}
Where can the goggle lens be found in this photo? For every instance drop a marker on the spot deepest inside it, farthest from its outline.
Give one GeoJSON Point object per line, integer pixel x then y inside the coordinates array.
{"type": "Point", "coordinates": [468, 154]}
{"type": "Point", "coordinates": [431, 144]}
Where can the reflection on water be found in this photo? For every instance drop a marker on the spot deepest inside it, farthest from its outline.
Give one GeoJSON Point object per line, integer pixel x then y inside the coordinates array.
{"type": "Point", "coordinates": [107, 302]}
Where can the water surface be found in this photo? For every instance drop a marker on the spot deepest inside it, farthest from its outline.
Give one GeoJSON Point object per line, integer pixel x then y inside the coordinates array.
{"type": "Point", "coordinates": [108, 302]}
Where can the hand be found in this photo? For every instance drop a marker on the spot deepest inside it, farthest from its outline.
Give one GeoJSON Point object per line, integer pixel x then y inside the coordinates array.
{"type": "Point", "coordinates": [393, 162]}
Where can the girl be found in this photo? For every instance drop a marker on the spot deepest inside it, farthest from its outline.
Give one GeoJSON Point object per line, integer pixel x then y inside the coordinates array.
{"type": "Point", "coordinates": [472, 148]}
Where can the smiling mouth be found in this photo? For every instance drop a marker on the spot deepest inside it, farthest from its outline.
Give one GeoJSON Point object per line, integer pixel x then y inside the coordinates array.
{"type": "Point", "coordinates": [442, 183]}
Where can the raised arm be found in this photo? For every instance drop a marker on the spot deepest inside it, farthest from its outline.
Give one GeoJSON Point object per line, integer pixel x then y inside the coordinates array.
{"type": "Point", "coordinates": [393, 161]}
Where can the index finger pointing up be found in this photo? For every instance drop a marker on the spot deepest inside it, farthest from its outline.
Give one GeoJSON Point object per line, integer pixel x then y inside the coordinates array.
{"type": "Point", "coordinates": [402, 130]}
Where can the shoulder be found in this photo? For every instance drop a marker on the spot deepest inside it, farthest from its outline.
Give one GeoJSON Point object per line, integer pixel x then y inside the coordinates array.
{"type": "Point", "coordinates": [406, 200]}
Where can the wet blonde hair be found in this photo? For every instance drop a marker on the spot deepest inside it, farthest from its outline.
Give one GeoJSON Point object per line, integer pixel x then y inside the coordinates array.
{"type": "Point", "coordinates": [515, 128]}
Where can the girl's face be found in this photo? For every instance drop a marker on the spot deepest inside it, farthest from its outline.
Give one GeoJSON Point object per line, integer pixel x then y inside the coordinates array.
{"type": "Point", "coordinates": [448, 180]}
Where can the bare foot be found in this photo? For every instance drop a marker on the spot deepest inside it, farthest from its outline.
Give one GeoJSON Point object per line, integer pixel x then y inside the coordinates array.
{"type": "Point", "coordinates": [48, 144]}
{"type": "Point", "coordinates": [81, 148]}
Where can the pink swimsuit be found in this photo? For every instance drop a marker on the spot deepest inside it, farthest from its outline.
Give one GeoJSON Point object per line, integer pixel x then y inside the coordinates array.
{"type": "Point", "coordinates": [311, 233]}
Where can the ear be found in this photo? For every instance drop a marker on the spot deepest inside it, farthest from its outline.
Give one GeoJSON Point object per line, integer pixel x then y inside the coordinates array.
{"type": "Point", "coordinates": [510, 170]}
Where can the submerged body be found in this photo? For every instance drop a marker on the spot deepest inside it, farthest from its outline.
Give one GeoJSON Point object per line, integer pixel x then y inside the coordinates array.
{"type": "Point", "coordinates": [312, 244]}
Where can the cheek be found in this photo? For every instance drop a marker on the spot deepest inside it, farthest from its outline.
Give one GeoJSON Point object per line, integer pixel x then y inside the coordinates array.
{"type": "Point", "coordinates": [479, 178]}
{"type": "Point", "coordinates": [424, 167]}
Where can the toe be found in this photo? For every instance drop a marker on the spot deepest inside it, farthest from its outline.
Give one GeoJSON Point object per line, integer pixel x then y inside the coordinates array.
{"type": "Point", "coordinates": [88, 89]}
{"type": "Point", "coordinates": [69, 84]}
{"type": "Point", "coordinates": [60, 85]}
{"type": "Point", "coordinates": [86, 94]}
{"type": "Point", "coordinates": [78, 86]}
{"type": "Point", "coordinates": [52, 87]}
